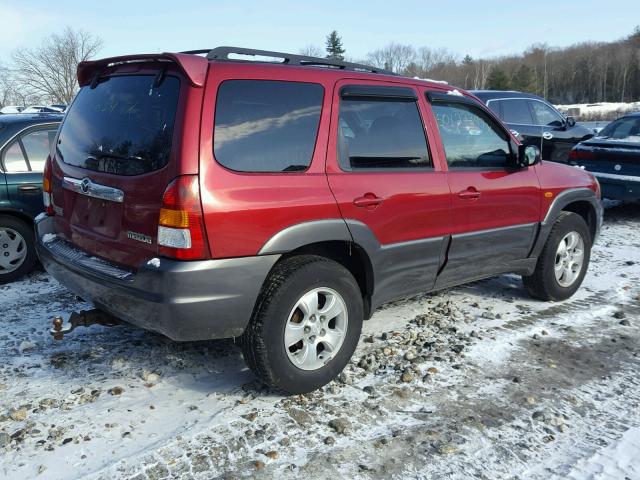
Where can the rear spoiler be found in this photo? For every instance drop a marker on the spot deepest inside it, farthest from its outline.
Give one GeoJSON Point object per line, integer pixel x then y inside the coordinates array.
{"type": "Point", "coordinates": [193, 66]}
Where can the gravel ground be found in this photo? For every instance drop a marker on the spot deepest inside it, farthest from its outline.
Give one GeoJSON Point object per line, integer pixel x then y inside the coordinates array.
{"type": "Point", "coordinates": [475, 381]}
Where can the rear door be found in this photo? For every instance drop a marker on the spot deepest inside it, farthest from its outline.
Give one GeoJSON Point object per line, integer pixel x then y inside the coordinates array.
{"type": "Point", "coordinates": [25, 158]}
{"type": "Point", "coordinates": [390, 189]}
{"type": "Point", "coordinates": [495, 209]}
{"type": "Point", "coordinates": [117, 151]}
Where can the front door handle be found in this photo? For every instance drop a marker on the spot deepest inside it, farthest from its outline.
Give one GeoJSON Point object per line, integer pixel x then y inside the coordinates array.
{"type": "Point", "coordinates": [29, 188]}
{"type": "Point", "coordinates": [368, 200]}
{"type": "Point", "coordinates": [469, 194]}
{"type": "Point", "coordinates": [547, 135]}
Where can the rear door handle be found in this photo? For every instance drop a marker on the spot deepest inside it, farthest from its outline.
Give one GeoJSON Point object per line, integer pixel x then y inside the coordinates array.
{"type": "Point", "coordinates": [469, 194]}
{"type": "Point", "coordinates": [29, 188]}
{"type": "Point", "coordinates": [368, 200]}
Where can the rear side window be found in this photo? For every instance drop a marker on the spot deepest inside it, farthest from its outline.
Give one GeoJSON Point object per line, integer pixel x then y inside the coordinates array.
{"type": "Point", "coordinates": [13, 159]}
{"type": "Point", "coordinates": [37, 146]}
{"type": "Point", "coordinates": [266, 126]}
{"type": "Point", "coordinates": [471, 139]}
{"type": "Point", "coordinates": [516, 111]}
{"type": "Point", "coordinates": [123, 126]}
{"type": "Point", "coordinates": [381, 133]}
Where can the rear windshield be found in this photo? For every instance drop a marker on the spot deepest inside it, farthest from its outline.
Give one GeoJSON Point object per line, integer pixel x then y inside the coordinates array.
{"type": "Point", "coordinates": [123, 126]}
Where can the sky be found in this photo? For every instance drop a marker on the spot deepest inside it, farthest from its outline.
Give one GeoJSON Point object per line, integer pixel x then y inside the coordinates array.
{"type": "Point", "coordinates": [481, 29]}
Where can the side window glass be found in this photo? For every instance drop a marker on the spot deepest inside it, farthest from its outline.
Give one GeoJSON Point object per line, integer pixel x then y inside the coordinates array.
{"type": "Point", "coordinates": [266, 126]}
{"type": "Point", "coordinates": [545, 115]}
{"type": "Point", "coordinates": [13, 158]}
{"type": "Point", "coordinates": [494, 105]}
{"type": "Point", "coordinates": [38, 145]}
{"type": "Point", "coordinates": [471, 139]}
{"type": "Point", "coordinates": [516, 111]}
{"type": "Point", "coordinates": [381, 132]}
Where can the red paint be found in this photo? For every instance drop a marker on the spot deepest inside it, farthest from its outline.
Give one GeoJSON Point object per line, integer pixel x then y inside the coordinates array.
{"type": "Point", "coordinates": [241, 211]}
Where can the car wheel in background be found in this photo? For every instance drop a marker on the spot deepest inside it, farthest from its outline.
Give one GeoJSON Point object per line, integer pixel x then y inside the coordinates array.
{"type": "Point", "coordinates": [17, 248]}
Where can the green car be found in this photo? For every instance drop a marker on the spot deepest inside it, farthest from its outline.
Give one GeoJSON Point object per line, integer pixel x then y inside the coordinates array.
{"type": "Point", "coordinates": [25, 142]}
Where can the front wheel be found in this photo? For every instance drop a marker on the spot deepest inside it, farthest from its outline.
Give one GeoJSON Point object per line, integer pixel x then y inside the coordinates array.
{"type": "Point", "coordinates": [305, 326]}
{"type": "Point", "coordinates": [563, 261]}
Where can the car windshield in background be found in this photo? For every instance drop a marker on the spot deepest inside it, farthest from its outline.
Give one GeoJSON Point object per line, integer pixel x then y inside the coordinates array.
{"type": "Point", "coordinates": [123, 126]}
{"type": "Point", "coordinates": [625, 129]}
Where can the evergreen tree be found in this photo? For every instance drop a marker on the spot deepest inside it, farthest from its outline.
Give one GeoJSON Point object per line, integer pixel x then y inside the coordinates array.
{"type": "Point", "coordinates": [498, 80]}
{"type": "Point", "coordinates": [524, 79]}
{"type": "Point", "coordinates": [334, 46]}
{"type": "Point", "coordinates": [467, 60]}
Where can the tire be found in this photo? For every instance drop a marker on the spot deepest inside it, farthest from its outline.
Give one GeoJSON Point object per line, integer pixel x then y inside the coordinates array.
{"type": "Point", "coordinates": [263, 343]}
{"type": "Point", "coordinates": [14, 230]}
{"type": "Point", "coordinates": [544, 284]}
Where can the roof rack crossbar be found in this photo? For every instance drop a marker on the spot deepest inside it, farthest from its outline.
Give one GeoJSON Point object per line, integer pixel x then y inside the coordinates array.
{"type": "Point", "coordinates": [223, 53]}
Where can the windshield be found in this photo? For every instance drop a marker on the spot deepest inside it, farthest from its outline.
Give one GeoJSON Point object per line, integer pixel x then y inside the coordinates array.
{"type": "Point", "coordinates": [627, 129]}
{"type": "Point", "coordinates": [123, 126]}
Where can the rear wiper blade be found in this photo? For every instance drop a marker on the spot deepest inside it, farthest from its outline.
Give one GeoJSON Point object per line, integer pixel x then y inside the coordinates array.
{"type": "Point", "coordinates": [116, 155]}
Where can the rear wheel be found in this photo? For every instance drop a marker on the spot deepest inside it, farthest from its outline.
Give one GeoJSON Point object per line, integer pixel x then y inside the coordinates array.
{"type": "Point", "coordinates": [305, 326]}
{"type": "Point", "coordinates": [563, 262]}
{"type": "Point", "coordinates": [17, 249]}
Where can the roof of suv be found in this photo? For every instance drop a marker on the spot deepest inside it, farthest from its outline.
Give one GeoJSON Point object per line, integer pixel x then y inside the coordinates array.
{"type": "Point", "coordinates": [194, 65]}
{"type": "Point", "coordinates": [495, 94]}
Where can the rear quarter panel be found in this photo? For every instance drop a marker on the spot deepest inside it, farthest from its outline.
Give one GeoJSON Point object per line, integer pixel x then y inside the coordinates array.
{"type": "Point", "coordinates": [243, 210]}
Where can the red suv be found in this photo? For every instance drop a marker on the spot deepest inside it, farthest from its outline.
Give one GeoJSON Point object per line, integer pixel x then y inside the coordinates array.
{"type": "Point", "coordinates": [207, 196]}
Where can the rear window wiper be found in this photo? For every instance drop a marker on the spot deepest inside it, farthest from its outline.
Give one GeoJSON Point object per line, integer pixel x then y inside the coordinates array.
{"type": "Point", "coordinates": [116, 156]}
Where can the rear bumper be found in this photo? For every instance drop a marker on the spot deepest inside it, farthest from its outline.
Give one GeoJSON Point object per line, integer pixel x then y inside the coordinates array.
{"type": "Point", "coordinates": [195, 300]}
{"type": "Point", "coordinates": [619, 187]}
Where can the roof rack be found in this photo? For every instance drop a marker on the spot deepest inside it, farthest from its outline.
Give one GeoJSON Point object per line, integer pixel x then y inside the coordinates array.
{"type": "Point", "coordinates": [224, 53]}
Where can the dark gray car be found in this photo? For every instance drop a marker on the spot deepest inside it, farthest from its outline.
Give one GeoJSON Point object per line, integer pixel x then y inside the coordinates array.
{"type": "Point", "coordinates": [536, 122]}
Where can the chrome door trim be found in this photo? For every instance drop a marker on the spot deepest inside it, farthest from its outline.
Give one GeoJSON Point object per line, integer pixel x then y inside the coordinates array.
{"type": "Point", "coordinates": [91, 189]}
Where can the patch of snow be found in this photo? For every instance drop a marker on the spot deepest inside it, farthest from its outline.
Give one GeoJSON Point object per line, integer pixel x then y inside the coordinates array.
{"type": "Point", "coordinates": [49, 237]}
{"type": "Point", "coordinates": [455, 92]}
{"type": "Point", "coordinates": [154, 262]}
{"type": "Point", "coordinates": [40, 216]}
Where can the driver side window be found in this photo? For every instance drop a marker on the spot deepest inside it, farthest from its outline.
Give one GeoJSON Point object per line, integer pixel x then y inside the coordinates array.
{"type": "Point", "coordinates": [471, 139]}
{"type": "Point", "coordinates": [545, 115]}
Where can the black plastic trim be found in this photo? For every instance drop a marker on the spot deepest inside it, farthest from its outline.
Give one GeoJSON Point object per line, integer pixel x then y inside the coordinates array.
{"type": "Point", "coordinates": [385, 92]}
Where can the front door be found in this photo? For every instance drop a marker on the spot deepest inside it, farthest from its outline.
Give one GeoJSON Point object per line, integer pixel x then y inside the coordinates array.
{"type": "Point", "coordinates": [390, 189]}
{"type": "Point", "coordinates": [495, 208]}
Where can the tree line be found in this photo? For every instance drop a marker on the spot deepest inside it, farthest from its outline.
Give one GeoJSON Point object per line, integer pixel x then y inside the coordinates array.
{"type": "Point", "coordinates": [586, 72]}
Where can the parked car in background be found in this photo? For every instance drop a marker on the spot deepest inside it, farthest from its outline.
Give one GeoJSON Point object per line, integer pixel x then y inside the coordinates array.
{"type": "Point", "coordinates": [11, 109]}
{"type": "Point", "coordinates": [613, 156]}
{"type": "Point", "coordinates": [41, 109]}
{"type": "Point", "coordinates": [25, 142]}
{"type": "Point", "coordinates": [536, 122]}
{"type": "Point", "coordinates": [283, 203]}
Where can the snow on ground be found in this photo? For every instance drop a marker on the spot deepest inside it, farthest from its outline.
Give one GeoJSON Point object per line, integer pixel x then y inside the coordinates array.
{"type": "Point", "coordinates": [475, 381]}
{"type": "Point", "coordinates": [609, 110]}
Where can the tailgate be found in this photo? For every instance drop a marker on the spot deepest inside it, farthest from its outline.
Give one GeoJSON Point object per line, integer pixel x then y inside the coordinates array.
{"type": "Point", "coordinates": [115, 155]}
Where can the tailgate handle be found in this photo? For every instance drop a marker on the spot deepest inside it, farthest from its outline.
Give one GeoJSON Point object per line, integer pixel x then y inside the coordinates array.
{"type": "Point", "coordinates": [87, 187]}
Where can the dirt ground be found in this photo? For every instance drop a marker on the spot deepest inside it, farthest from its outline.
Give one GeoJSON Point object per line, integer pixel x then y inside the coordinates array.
{"type": "Point", "coordinates": [475, 381]}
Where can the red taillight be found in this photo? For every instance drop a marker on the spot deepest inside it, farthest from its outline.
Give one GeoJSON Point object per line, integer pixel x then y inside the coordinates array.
{"type": "Point", "coordinates": [577, 154]}
{"type": "Point", "coordinates": [46, 187]}
{"type": "Point", "coordinates": [181, 232]}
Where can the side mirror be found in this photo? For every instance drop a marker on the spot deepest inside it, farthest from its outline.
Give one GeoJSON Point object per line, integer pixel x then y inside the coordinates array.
{"type": "Point", "coordinates": [528, 155]}
{"type": "Point", "coordinates": [571, 122]}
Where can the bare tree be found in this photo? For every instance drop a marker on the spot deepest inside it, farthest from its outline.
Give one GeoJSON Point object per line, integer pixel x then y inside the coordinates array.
{"type": "Point", "coordinates": [49, 70]}
{"type": "Point", "coordinates": [312, 51]}
{"type": "Point", "coordinates": [394, 57]}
